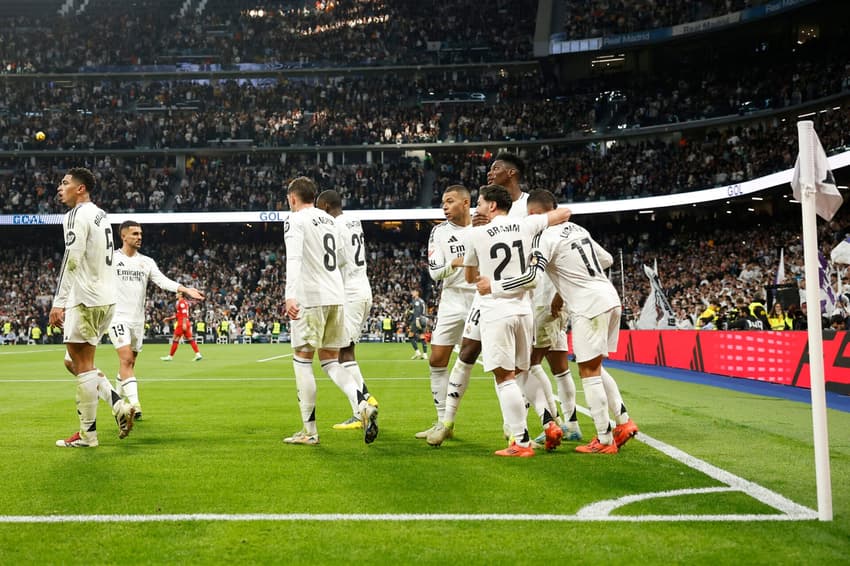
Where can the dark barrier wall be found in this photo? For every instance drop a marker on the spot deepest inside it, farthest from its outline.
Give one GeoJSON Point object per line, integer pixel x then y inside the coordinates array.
{"type": "Point", "coordinates": [777, 357]}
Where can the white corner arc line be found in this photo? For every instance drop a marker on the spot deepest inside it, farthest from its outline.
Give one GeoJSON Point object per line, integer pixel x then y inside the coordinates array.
{"type": "Point", "coordinates": [606, 507]}
{"type": "Point", "coordinates": [754, 490]}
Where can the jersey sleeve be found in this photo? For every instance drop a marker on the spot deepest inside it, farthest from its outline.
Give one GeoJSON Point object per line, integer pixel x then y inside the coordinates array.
{"type": "Point", "coordinates": [160, 280]}
{"type": "Point", "coordinates": [438, 267]}
{"type": "Point", "coordinates": [294, 239]}
{"type": "Point", "coordinates": [606, 260]}
{"type": "Point", "coordinates": [470, 259]}
{"type": "Point", "coordinates": [76, 235]}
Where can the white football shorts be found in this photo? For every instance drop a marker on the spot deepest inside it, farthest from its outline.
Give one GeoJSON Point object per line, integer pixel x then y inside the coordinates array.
{"type": "Point", "coordinates": [506, 342]}
{"type": "Point", "coordinates": [356, 314]}
{"type": "Point", "coordinates": [550, 332]}
{"type": "Point", "coordinates": [597, 336]}
{"type": "Point", "coordinates": [472, 328]}
{"type": "Point", "coordinates": [87, 324]}
{"type": "Point", "coordinates": [451, 317]}
{"type": "Point", "coordinates": [320, 327]}
{"type": "Point", "coordinates": [127, 334]}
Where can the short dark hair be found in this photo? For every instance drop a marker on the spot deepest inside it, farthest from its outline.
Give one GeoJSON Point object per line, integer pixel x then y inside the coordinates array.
{"type": "Point", "coordinates": [329, 200]}
{"type": "Point", "coordinates": [83, 176]}
{"type": "Point", "coordinates": [497, 194]}
{"type": "Point", "coordinates": [459, 189]}
{"type": "Point", "coordinates": [544, 198]}
{"type": "Point", "coordinates": [514, 160]}
{"type": "Point", "coordinates": [128, 224]}
{"type": "Point", "coordinates": [304, 188]}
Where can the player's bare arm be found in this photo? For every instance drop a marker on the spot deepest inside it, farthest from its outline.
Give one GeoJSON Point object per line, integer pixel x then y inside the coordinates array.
{"type": "Point", "coordinates": [557, 305]}
{"type": "Point", "coordinates": [559, 215]}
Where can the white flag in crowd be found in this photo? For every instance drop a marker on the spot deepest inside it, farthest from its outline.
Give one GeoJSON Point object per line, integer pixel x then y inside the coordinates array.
{"type": "Point", "coordinates": [827, 198]}
{"type": "Point", "coordinates": [656, 312]}
{"type": "Point", "coordinates": [827, 294]}
{"type": "Point", "coordinates": [841, 252]}
{"type": "Point", "coordinates": [780, 271]}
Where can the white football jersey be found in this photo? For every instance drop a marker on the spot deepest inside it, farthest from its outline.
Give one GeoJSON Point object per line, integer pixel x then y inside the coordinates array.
{"type": "Point", "coordinates": [132, 274]}
{"type": "Point", "coordinates": [87, 275]}
{"type": "Point", "coordinates": [519, 208]}
{"type": "Point", "coordinates": [355, 275]}
{"type": "Point", "coordinates": [544, 292]}
{"type": "Point", "coordinates": [447, 242]}
{"type": "Point", "coordinates": [315, 255]}
{"type": "Point", "coordinates": [501, 250]}
{"type": "Point", "coordinates": [576, 263]}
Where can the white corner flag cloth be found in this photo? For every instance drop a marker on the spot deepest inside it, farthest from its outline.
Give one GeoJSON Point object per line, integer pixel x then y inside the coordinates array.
{"type": "Point", "coordinates": [827, 199]}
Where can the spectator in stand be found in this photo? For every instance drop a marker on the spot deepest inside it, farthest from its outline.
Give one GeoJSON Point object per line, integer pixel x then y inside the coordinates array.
{"type": "Point", "coordinates": [778, 319]}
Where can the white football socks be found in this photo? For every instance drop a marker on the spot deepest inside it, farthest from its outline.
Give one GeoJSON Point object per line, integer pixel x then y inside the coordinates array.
{"type": "Point", "coordinates": [615, 400]}
{"type": "Point", "coordinates": [597, 402]}
{"type": "Point", "coordinates": [458, 382]}
{"type": "Point", "coordinates": [305, 385]}
{"type": "Point", "coordinates": [566, 394]}
{"type": "Point", "coordinates": [87, 397]}
{"type": "Point", "coordinates": [344, 379]}
{"type": "Point", "coordinates": [130, 388]}
{"type": "Point", "coordinates": [538, 391]}
{"type": "Point", "coordinates": [513, 409]}
{"type": "Point", "coordinates": [439, 390]}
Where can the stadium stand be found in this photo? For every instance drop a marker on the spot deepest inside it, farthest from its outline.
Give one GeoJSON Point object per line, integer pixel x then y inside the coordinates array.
{"type": "Point", "coordinates": [214, 109]}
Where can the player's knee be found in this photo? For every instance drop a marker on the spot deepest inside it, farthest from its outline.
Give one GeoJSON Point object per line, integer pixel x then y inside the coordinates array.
{"type": "Point", "coordinates": [469, 351]}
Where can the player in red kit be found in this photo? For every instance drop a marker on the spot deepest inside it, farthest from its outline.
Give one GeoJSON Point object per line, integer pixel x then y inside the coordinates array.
{"type": "Point", "coordinates": [183, 328]}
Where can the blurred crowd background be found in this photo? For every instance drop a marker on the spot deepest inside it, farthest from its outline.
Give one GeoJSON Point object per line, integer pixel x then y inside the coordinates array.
{"type": "Point", "coordinates": [201, 106]}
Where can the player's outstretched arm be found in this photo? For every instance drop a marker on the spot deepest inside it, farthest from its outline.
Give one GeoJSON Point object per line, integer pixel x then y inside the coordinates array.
{"type": "Point", "coordinates": [192, 292]}
{"type": "Point", "coordinates": [559, 215]}
{"type": "Point", "coordinates": [509, 286]}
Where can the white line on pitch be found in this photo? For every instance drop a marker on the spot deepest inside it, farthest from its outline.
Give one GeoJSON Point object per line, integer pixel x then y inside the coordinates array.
{"type": "Point", "coordinates": [386, 517]}
{"type": "Point", "coordinates": [32, 351]}
{"type": "Point", "coordinates": [274, 358]}
{"type": "Point", "coordinates": [754, 490]}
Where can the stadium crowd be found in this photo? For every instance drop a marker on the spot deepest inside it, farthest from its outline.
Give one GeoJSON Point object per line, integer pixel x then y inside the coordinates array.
{"type": "Point", "coordinates": [244, 279]}
{"type": "Point", "coordinates": [613, 17]}
{"type": "Point", "coordinates": [409, 107]}
{"type": "Point", "coordinates": [573, 173]}
{"type": "Point", "coordinates": [340, 33]}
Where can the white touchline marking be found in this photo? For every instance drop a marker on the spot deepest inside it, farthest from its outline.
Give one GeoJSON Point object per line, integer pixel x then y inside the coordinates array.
{"type": "Point", "coordinates": [386, 517]}
{"type": "Point", "coordinates": [32, 351]}
{"type": "Point", "coordinates": [274, 358]}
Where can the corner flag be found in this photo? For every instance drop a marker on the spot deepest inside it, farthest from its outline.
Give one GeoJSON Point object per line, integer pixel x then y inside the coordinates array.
{"type": "Point", "coordinates": [814, 186]}
{"type": "Point", "coordinates": [827, 198]}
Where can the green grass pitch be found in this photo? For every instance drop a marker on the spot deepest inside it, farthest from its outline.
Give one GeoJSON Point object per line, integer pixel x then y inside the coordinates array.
{"type": "Point", "coordinates": [208, 461]}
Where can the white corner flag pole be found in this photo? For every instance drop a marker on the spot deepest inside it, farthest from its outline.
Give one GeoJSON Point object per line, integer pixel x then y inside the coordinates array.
{"type": "Point", "coordinates": [805, 131]}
